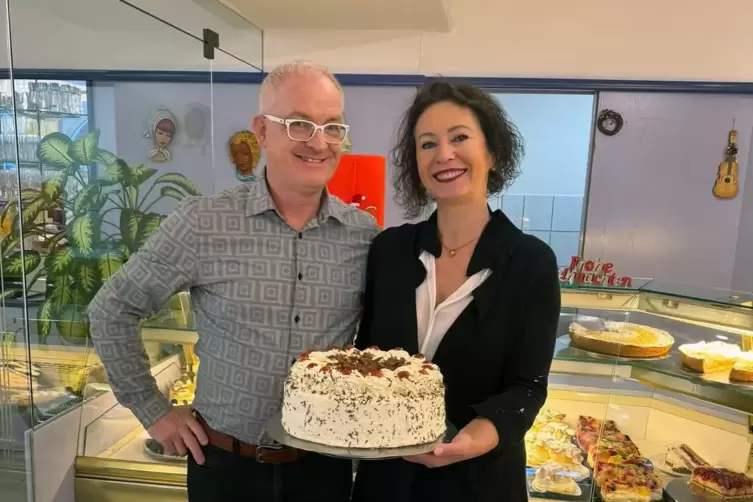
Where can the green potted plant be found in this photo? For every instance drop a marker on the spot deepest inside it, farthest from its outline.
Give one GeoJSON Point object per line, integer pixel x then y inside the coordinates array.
{"type": "Point", "coordinates": [107, 219]}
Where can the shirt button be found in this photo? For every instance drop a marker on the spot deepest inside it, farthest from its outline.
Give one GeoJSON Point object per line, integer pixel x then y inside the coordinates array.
{"type": "Point", "coordinates": [297, 318]}
{"type": "Point", "coordinates": [300, 276]}
{"type": "Point", "coordinates": [300, 235]}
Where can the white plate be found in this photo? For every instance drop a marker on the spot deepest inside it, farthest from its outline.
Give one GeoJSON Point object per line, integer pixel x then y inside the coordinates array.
{"type": "Point", "coordinates": [659, 463]}
{"type": "Point", "coordinates": [276, 431]}
{"type": "Point", "coordinates": [161, 456]}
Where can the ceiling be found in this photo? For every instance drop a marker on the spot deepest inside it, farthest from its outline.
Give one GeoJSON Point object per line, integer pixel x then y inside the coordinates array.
{"type": "Point", "coordinates": [411, 15]}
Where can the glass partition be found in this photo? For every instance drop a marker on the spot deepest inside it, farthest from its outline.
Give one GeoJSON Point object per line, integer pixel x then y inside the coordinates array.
{"type": "Point", "coordinates": [91, 163]}
{"type": "Point", "coordinates": [240, 41]}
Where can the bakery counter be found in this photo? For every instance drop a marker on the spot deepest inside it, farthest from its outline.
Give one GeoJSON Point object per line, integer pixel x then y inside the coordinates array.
{"type": "Point", "coordinates": [653, 421]}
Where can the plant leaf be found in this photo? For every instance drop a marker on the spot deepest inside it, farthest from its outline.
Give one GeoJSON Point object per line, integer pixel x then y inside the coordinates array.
{"type": "Point", "coordinates": [9, 293]}
{"type": "Point", "coordinates": [53, 188]}
{"type": "Point", "coordinates": [133, 195]}
{"type": "Point", "coordinates": [129, 227]}
{"type": "Point", "coordinates": [82, 233]}
{"type": "Point", "coordinates": [10, 211]}
{"type": "Point", "coordinates": [28, 194]}
{"type": "Point", "coordinates": [109, 263]}
{"type": "Point", "coordinates": [13, 266]}
{"type": "Point", "coordinates": [147, 225]}
{"type": "Point", "coordinates": [71, 323]}
{"type": "Point", "coordinates": [54, 148]}
{"type": "Point", "coordinates": [32, 210]}
{"type": "Point", "coordinates": [58, 262]}
{"type": "Point", "coordinates": [87, 275]}
{"type": "Point", "coordinates": [87, 199]}
{"type": "Point", "coordinates": [140, 174]}
{"type": "Point", "coordinates": [44, 317]}
{"type": "Point", "coordinates": [105, 157]}
{"type": "Point", "coordinates": [84, 150]}
{"type": "Point", "coordinates": [62, 293]}
{"type": "Point", "coordinates": [119, 172]}
{"type": "Point", "coordinates": [172, 192]}
{"type": "Point", "coordinates": [179, 180]}
{"type": "Point", "coordinates": [9, 243]}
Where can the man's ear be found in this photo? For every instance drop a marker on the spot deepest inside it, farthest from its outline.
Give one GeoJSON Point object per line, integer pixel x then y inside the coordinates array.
{"type": "Point", "coordinates": [259, 126]}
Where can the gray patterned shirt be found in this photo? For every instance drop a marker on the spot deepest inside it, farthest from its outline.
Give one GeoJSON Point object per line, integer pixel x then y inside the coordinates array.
{"type": "Point", "coordinates": [261, 293]}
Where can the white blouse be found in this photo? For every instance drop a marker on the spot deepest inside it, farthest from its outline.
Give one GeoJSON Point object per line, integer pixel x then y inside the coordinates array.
{"type": "Point", "coordinates": [434, 320]}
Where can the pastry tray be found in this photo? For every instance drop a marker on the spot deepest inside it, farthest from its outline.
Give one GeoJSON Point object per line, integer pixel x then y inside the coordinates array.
{"type": "Point", "coordinates": [277, 432]}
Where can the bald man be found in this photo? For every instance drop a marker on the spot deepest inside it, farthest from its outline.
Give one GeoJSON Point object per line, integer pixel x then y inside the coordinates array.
{"type": "Point", "coordinates": [265, 265]}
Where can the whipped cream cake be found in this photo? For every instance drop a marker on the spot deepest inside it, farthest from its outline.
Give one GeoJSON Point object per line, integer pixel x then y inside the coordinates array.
{"type": "Point", "coordinates": [364, 399]}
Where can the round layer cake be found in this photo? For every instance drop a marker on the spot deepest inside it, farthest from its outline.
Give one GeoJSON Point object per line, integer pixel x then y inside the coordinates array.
{"type": "Point", "coordinates": [364, 399]}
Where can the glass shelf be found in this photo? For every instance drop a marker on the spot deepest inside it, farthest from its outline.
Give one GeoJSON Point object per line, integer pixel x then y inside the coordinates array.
{"type": "Point", "coordinates": [690, 315]}
{"type": "Point", "coordinates": [45, 114]}
{"type": "Point", "coordinates": [708, 296]}
{"type": "Point", "coordinates": [666, 373]}
{"type": "Point", "coordinates": [33, 164]}
{"type": "Point", "coordinates": [721, 297]}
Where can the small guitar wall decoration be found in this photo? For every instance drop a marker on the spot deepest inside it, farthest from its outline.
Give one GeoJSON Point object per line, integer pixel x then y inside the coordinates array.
{"type": "Point", "coordinates": [725, 186]}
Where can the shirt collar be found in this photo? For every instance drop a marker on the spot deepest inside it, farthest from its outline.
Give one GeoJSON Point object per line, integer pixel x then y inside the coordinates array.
{"type": "Point", "coordinates": [260, 201]}
{"type": "Point", "coordinates": [495, 243]}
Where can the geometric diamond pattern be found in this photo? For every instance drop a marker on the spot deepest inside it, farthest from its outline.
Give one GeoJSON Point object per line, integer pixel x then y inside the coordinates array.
{"type": "Point", "coordinates": [261, 293]}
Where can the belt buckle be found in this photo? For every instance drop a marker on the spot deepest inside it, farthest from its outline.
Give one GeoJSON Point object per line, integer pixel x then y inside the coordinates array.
{"type": "Point", "coordinates": [261, 449]}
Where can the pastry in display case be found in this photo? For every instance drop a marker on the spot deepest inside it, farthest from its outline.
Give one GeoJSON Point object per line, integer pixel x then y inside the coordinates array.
{"type": "Point", "coordinates": [621, 339]}
{"type": "Point", "coordinates": [725, 483]}
{"type": "Point", "coordinates": [709, 357]}
{"type": "Point", "coordinates": [682, 459]}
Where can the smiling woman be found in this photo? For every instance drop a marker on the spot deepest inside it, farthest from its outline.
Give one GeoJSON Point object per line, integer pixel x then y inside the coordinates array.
{"type": "Point", "coordinates": [468, 290]}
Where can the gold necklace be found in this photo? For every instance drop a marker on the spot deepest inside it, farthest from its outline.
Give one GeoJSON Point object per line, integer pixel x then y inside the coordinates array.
{"type": "Point", "coordinates": [454, 251]}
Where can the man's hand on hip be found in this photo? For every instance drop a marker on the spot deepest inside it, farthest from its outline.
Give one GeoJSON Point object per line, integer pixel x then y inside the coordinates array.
{"type": "Point", "coordinates": [179, 431]}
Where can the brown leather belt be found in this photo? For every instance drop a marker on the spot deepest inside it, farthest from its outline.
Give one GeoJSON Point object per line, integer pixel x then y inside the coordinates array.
{"type": "Point", "coordinates": [262, 454]}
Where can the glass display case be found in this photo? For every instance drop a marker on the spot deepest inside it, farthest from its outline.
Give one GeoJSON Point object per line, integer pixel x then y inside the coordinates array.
{"type": "Point", "coordinates": [90, 165]}
{"type": "Point", "coordinates": [647, 382]}
{"type": "Point", "coordinates": [642, 383]}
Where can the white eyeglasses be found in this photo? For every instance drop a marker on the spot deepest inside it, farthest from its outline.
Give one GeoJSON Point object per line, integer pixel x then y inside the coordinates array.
{"type": "Point", "coordinates": [304, 130]}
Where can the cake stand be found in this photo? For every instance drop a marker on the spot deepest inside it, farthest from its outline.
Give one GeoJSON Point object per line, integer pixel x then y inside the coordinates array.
{"type": "Point", "coordinates": [277, 432]}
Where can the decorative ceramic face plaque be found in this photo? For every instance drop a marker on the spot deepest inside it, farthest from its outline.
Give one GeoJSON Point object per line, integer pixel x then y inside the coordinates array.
{"type": "Point", "coordinates": [161, 129]}
{"type": "Point", "coordinates": [245, 153]}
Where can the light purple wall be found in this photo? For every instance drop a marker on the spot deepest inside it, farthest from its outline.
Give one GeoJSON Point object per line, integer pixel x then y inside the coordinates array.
{"type": "Point", "coordinates": [651, 210]}
{"type": "Point", "coordinates": [742, 274]}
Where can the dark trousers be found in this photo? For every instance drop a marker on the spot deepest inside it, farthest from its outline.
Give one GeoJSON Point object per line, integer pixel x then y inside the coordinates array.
{"type": "Point", "coordinates": [226, 477]}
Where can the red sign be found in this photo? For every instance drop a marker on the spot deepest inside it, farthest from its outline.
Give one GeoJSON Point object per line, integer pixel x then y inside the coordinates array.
{"type": "Point", "coordinates": [582, 272]}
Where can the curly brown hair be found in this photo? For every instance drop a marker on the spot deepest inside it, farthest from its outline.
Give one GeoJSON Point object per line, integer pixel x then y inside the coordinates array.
{"type": "Point", "coordinates": [503, 141]}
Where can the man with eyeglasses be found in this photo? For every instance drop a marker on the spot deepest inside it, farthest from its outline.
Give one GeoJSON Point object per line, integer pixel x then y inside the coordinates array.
{"type": "Point", "coordinates": [275, 267]}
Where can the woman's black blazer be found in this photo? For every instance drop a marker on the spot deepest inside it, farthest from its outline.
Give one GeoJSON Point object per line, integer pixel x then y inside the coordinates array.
{"type": "Point", "coordinates": [495, 358]}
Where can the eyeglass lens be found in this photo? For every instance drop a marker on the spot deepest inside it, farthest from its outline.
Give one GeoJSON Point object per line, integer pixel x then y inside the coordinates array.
{"type": "Point", "coordinates": [303, 130]}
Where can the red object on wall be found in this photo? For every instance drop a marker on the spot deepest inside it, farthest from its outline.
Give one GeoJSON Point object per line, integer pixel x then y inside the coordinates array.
{"type": "Point", "coordinates": [359, 181]}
